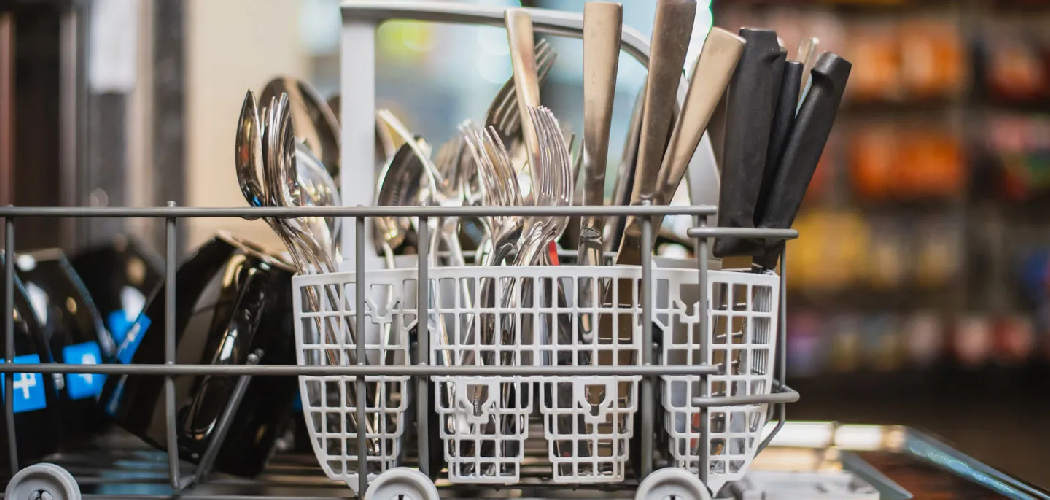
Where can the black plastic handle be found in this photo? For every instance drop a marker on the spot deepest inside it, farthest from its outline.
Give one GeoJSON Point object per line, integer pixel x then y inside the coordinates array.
{"type": "Point", "coordinates": [783, 122]}
{"type": "Point", "coordinates": [749, 113]}
{"type": "Point", "coordinates": [805, 144]}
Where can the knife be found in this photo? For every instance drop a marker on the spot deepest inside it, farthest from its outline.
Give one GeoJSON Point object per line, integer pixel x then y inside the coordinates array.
{"type": "Point", "coordinates": [749, 114]}
{"type": "Point", "coordinates": [625, 174]}
{"type": "Point", "coordinates": [520, 36]}
{"type": "Point", "coordinates": [807, 51]}
{"type": "Point", "coordinates": [707, 84]}
{"type": "Point", "coordinates": [805, 144]}
{"type": "Point", "coordinates": [602, 24]}
{"type": "Point", "coordinates": [672, 28]}
{"type": "Point", "coordinates": [783, 121]}
{"type": "Point", "coordinates": [671, 31]}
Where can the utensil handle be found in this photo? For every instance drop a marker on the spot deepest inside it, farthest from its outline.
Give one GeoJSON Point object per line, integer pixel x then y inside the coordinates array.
{"type": "Point", "coordinates": [804, 147]}
{"type": "Point", "coordinates": [783, 121]}
{"type": "Point", "coordinates": [672, 27]}
{"type": "Point", "coordinates": [711, 73]}
{"type": "Point", "coordinates": [602, 24]}
{"type": "Point", "coordinates": [521, 38]}
{"type": "Point", "coordinates": [749, 112]}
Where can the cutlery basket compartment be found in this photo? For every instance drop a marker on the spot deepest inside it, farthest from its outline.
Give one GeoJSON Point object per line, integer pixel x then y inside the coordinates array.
{"type": "Point", "coordinates": [587, 421]}
{"type": "Point", "coordinates": [741, 339]}
{"type": "Point", "coordinates": [325, 303]}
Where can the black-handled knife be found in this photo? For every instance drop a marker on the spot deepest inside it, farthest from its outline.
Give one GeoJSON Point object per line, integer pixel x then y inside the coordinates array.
{"type": "Point", "coordinates": [783, 121]}
{"type": "Point", "coordinates": [805, 144]}
{"type": "Point", "coordinates": [749, 113]}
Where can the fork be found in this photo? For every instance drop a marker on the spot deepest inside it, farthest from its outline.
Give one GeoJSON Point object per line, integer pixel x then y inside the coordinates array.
{"type": "Point", "coordinates": [503, 113]}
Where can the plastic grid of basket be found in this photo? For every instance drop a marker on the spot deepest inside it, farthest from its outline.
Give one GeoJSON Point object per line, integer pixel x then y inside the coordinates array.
{"type": "Point", "coordinates": [741, 338]}
{"type": "Point", "coordinates": [484, 435]}
{"type": "Point", "coordinates": [329, 405]}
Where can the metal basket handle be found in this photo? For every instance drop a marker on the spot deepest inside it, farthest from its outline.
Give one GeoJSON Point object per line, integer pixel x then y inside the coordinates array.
{"type": "Point", "coordinates": [357, 74]}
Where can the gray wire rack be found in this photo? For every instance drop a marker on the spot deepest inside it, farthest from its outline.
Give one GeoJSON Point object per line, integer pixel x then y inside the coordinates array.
{"type": "Point", "coordinates": [183, 483]}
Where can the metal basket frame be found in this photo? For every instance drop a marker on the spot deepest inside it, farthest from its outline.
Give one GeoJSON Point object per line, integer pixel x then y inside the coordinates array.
{"type": "Point", "coordinates": [421, 371]}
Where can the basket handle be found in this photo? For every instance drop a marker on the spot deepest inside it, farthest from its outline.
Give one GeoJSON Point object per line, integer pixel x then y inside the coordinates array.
{"type": "Point", "coordinates": [357, 76]}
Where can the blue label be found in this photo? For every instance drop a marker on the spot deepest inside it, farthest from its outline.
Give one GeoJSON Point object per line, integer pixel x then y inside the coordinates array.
{"type": "Point", "coordinates": [28, 387]}
{"type": "Point", "coordinates": [298, 405]}
{"type": "Point", "coordinates": [133, 339]}
{"type": "Point", "coordinates": [118, 324]}
{"type": "Point", "coordinates": [83, 385]}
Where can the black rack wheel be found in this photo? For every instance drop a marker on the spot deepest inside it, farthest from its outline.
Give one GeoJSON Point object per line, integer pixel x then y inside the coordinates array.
{"type": "Point", "coordinates": [42, 481]}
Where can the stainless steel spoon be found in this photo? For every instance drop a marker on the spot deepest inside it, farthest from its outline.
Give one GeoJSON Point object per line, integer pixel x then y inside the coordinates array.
{"type": "Point", "coordinates": [314, 122]}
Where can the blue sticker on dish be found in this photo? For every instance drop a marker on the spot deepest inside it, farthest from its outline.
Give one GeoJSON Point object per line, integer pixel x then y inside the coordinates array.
{"type": "Point", "coordinates": [28, 387]}
{"type": "Point", "coordinates": [83, 385]}
{"type": "Point", "coordinates": [133, 339]}
{"type": "Point", "coordinates": [118, 324]}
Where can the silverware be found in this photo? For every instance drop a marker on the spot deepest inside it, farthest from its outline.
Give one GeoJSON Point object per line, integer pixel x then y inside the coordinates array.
{"type": "Point", "coordinates": [602, 24]}
{"type": "Point", "coordinates": [805, 144]}
{"type": "Point", "coordinates": [526, 80]}
{"type": "Point", "coordinates": [314, 121]}
{"type": "Point", "coordinates": [749, 117]}
{"type": "Point", "coordinates": [621, 196]}
{"type": "Point", "coordinates": [551, 177]}
{"type": "Point", "coordinates": [258, 150]}
{"type": "Point", "coordinates": [711, 73]}
{"type": "Point", "coordinates": [672, 27]}
{"type": "Point", "coordinates": [503, 113]}
{"type": "Point", "coordinates": [671, 30]}
{"type": "Point", "coordinates": [399, 185]}
{"type": "Point", "coordinates": [807, 54]}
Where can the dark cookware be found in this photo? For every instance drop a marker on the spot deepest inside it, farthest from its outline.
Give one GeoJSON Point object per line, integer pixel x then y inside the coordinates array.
{"type": "Point", "coordinates": [35, 403]}
{"type": "Point", "coordinates": [73, 330]}
{"type": "Point", "coordinates": [119, 277]}
{"type": "Point", "coordinates": [231, 300]}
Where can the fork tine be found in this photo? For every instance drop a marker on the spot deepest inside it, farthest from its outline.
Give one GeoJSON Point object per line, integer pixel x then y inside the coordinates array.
{"type": "Point", "coordinates": [509, 113]}
{"type": "Point", "coordinates": [497, 109]}
{"type": "Point", "coordinates": [511, 119]}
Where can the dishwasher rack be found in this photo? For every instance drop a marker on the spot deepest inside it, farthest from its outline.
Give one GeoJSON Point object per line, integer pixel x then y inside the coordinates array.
{"type": "Point", "coordinates": [654, 471]}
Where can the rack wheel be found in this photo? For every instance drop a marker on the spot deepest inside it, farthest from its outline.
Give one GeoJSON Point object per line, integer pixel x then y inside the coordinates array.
{"type": "Point", "coordinates": [402, 483]}
{"type": "Point", "coordinates": [42, 481]}
{"type": "Point", "coordinates": [676, 484]}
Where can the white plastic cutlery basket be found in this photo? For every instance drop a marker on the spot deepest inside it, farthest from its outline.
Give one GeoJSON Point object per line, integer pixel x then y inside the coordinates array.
{"type": "Point", "coordinates": [329, 405]}
{"type": "Point", "coordinates": [535, 319]}
{"type": "Point", "coordinates": [741, 339]}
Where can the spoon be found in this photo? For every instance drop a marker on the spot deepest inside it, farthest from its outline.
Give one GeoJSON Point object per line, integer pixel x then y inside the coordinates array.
{"type": "Point", "coordinates": [314, 122]}
{"type": "Point", "coordinates": [318, 190]}
{"type": "Point", "coordinates": [399, 185]}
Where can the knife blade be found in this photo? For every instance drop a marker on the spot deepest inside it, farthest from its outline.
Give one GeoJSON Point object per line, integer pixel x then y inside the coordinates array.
{"type": "Point", "coordinates": [802, 152]}
{"type": "Point", "coordinates": [807, 52]}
